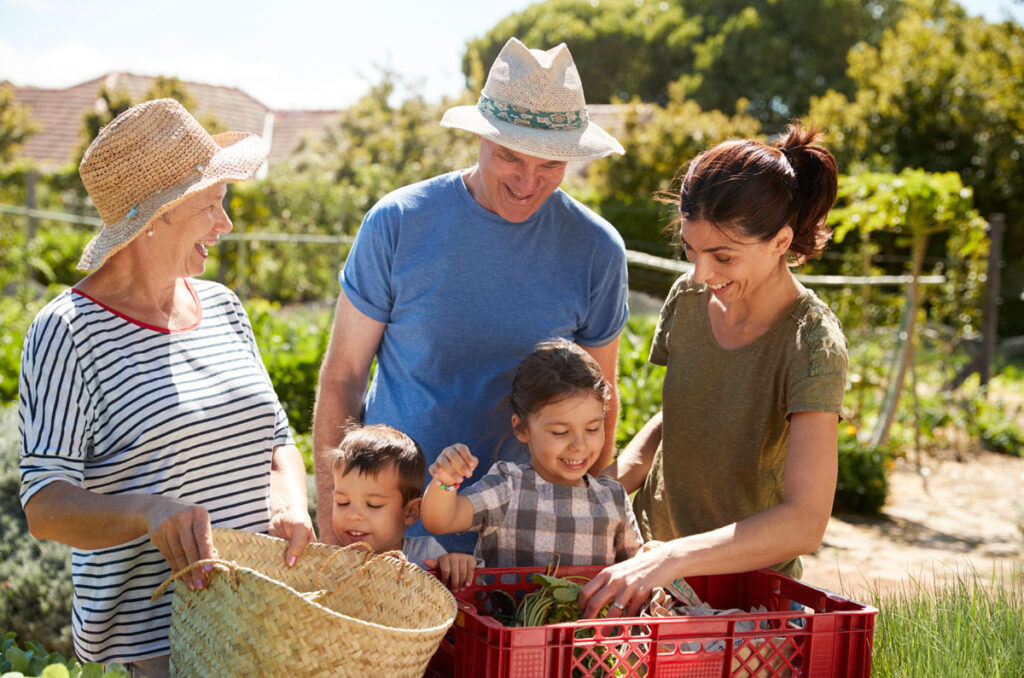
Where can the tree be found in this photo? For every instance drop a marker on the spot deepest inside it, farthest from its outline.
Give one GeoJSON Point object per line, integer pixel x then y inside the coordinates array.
{"type": "Point", "coordinates": [941, 92]}
{"type": "Point", "coordinates": [16, 123]}
{"type": "Point", "coordinates": [658, 141]}
{"type": "Point", "coordinates": [768, 56]}
{"type": "Point", "coordinates": [172, 88]}
{"type": "Point", "coordinates": [915, 205]}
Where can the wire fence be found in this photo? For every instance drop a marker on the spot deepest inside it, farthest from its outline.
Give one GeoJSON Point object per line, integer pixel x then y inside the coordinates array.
{"type": "Point", "coordinates": [633, 257]}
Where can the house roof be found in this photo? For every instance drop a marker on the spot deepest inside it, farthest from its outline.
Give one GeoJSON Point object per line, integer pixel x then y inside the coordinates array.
{"type": "Point", "coordinates": [291, 127]}
{"type": "Point", "coordinates": [59, 113]}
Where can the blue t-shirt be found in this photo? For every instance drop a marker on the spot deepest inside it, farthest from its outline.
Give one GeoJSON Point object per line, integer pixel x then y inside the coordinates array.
{"type": "Point", "coordinates": [465, 296]}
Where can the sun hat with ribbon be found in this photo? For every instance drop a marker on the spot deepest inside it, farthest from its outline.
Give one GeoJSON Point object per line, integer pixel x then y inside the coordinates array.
{"type": "Point", "coordinates": [533, 103]}
{"type": "Point", "coordinates": [148, 160]}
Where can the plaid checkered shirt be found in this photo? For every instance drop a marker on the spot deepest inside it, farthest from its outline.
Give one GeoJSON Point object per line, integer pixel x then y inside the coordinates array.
{"type": "Point", "coordinates": [523, 519]}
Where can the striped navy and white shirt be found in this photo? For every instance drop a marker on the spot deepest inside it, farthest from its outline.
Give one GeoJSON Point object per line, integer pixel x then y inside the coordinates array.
{"type": "Point", "coordinates": [114, 406]}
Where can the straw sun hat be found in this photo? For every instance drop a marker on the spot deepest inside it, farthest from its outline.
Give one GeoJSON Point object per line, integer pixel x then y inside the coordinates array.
{"type": "Point", "coordinates": [148, 160]}
{"type": "Point", "coordinates": [533, 103]}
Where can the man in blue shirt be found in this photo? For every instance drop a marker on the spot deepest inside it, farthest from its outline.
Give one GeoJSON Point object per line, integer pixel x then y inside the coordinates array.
{"type": "Point", "coordinates": [452, 281]}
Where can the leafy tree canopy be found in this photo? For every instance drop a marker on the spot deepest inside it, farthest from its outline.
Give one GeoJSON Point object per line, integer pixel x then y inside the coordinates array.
{"type": "Point", "coordinates": [16, 124]}
{"type": "Point", "coordinates": [770, 55]}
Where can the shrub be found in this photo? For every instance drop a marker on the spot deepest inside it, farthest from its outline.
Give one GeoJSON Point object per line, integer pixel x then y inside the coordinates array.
{"type": "Point", "coordinates": [33, 660]}
{"type": "Point", "coordinates": [292, 343]}
{"type": "Point", "coordinates": [639, 379]}
{"type": "Point", "coordinates": [863, 481]}
{"type": "Point", "coordinates": [35, 576]}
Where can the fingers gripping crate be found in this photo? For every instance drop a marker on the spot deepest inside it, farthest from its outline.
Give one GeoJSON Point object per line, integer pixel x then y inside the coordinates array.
{"type": "Point", "coordinates": [829, 636]}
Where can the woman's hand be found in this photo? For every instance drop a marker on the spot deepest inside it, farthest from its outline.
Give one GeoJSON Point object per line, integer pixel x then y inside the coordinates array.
{"type": "Point", "coordinates": [454, 464]}
{"type": "Point", "coordinates": [183, 534]}
{"type": "Point", "coordinates": [456, 569]}
{"type": "Point", "coordinates": [627, 586]}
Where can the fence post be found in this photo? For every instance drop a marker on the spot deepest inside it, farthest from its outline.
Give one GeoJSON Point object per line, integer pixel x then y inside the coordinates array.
{"type": "Point", "coordinates": [31, 222]}
{"type": "Point", "coordinates": [990, 324]}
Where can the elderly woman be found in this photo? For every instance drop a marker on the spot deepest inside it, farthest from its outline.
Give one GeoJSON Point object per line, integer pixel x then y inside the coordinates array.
{"type": "Point", "coordinates": [146, 413]}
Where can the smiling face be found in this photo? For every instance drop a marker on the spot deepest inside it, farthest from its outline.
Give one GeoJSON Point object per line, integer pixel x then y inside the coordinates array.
{"type": "Point", "coordinates": [735, 267]}
{"type": "Point", "coordinates": [513, 185]}
{"type": "Point", "coordinates": [564, 437]}
{"type": "Point", "coordinates": [186, 231]}
{"type": "Point", "coordinates": [369, 508]}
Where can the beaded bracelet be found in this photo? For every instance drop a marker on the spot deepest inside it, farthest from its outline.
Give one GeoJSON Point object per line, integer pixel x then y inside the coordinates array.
{"type": "Point", "coordinates": [447, 488]}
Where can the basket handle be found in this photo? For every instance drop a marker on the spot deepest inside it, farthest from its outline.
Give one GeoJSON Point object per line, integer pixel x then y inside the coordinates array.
{"type": "Point", "coordinates": [369, 560]}
{"type": "Point", "coordinates": [231, 566]}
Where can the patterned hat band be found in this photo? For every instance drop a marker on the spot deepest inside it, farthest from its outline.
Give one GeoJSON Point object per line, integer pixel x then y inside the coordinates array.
{"type": "Point", "coordinates": [525, 117]}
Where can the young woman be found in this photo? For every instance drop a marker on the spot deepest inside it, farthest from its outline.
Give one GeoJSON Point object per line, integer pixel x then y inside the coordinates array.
{"type": "Point", "coordinates": [738, 470]}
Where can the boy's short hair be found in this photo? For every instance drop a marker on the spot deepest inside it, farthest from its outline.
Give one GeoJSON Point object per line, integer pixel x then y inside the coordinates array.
{"type": "Point", "coordinates": [371, 449]}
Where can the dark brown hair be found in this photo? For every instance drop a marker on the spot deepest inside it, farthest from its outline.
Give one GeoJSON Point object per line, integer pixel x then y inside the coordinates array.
{"type": "Point", "coordinates": [371, 449]}
{"type": "Point", "coordinates": [756, 189]}
{"type": "Point", "coordinates": [557, 369]}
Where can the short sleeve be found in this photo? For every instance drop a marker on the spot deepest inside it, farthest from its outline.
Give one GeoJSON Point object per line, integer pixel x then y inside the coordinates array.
{"type": "Point", "coordinates": [609, 294]}
{"type": "Point", "coordinates": [490, 496]}
{"type": "Point", "coordinates": [820, 387]}
{"type": "Point", "coordinates": [366, 276]}
{"type": "Point", "coordinates": [627, 540]}
{"type": "Point", "coordinates": [54, 407]}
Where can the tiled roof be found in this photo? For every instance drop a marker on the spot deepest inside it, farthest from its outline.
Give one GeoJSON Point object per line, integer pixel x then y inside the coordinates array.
{"type": "Point", "coordinates": [60, 112]}
{"type": "Point", "coordinates": [289, 129]}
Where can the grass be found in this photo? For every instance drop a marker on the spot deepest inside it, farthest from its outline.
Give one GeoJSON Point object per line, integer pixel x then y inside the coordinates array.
{"type": "Point", "coordinates": [966, 626]}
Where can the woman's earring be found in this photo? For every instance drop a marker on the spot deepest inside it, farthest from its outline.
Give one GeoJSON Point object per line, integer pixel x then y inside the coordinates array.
{"type": "Point", "coordinates": [149, 233]}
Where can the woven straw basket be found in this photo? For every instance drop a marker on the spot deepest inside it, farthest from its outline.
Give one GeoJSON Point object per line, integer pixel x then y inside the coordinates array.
{"type": "Point", "coordinates": [361, 614]}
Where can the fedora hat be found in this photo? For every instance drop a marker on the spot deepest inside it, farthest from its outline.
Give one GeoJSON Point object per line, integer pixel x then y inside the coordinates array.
{"type": "Point", "coordinates": [148, 160]}
{"type": "Point", "coordinates": [533, 103]}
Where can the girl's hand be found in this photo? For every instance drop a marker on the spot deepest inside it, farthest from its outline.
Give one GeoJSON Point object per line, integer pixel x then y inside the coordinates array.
{"type": "Point", "coordinates": [454, 464]}
{"type": "Point", "coordinates": [626, 586]}
{"type": "Point", "coordinates": [456, 570]}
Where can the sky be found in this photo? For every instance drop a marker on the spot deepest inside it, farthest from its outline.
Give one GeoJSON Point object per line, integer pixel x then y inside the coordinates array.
{"type": "Point", "coordinates": [298, 54]}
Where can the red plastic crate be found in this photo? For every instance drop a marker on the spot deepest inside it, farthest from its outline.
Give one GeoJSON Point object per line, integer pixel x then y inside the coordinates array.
{"type": "Point", "coordinates": [833, 640]}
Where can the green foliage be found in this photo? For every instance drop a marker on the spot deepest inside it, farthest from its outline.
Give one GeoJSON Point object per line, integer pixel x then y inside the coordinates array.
{"type": "Point", "coordinates": [639, 379]}
{"type": "Point", "coordinates": [657, 140]}
{"type": "Point", "coordinates": [941, 92]}
{"type": "Point", "coordinates": [769, 56]}
{"type": "Point", "coordinates": [16, 314]}
{"type": "Point", "coordinates": [16, 124]}
{"type": "Point", "coordinates": [32, 660]}
{"type": "Point", "coordinates": [292, 343]}
{"type": "Point", "coordinates": [109, 105]}
{"type": "Point", "coordinates": [35, 576]}
{"type": "Point", "coordinates": [996, 427]}
{"type": "Point", "coordinates": [896, 209]}
{"type": "Point", "coordinates": [621, 48]}
{"type": "Point", "coordinates": [863, 481]}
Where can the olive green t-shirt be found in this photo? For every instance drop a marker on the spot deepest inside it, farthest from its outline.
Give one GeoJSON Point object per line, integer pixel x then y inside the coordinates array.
{"type": "Point", "coordinates": [726, 412]}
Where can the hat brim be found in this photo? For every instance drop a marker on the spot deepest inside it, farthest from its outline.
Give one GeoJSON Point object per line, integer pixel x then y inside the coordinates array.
{"type": "Point", "coordinates": [586, 143]}
{"type": "Point", "coordinates": [241, 155]}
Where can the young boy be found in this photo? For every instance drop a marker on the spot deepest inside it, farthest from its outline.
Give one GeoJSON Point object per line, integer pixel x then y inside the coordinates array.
{"type": "Point", "coordinates": [379, 474]}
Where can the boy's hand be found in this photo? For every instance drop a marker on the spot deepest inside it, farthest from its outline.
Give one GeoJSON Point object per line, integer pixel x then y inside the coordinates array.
{"type": "Point", "coordinates": [456, 569]}
{"type": "Point", "coordinates": [454, 464]}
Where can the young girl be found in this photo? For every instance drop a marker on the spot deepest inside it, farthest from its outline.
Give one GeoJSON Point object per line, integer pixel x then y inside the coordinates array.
{"type": "Point", "coordinates": [525, 513]}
